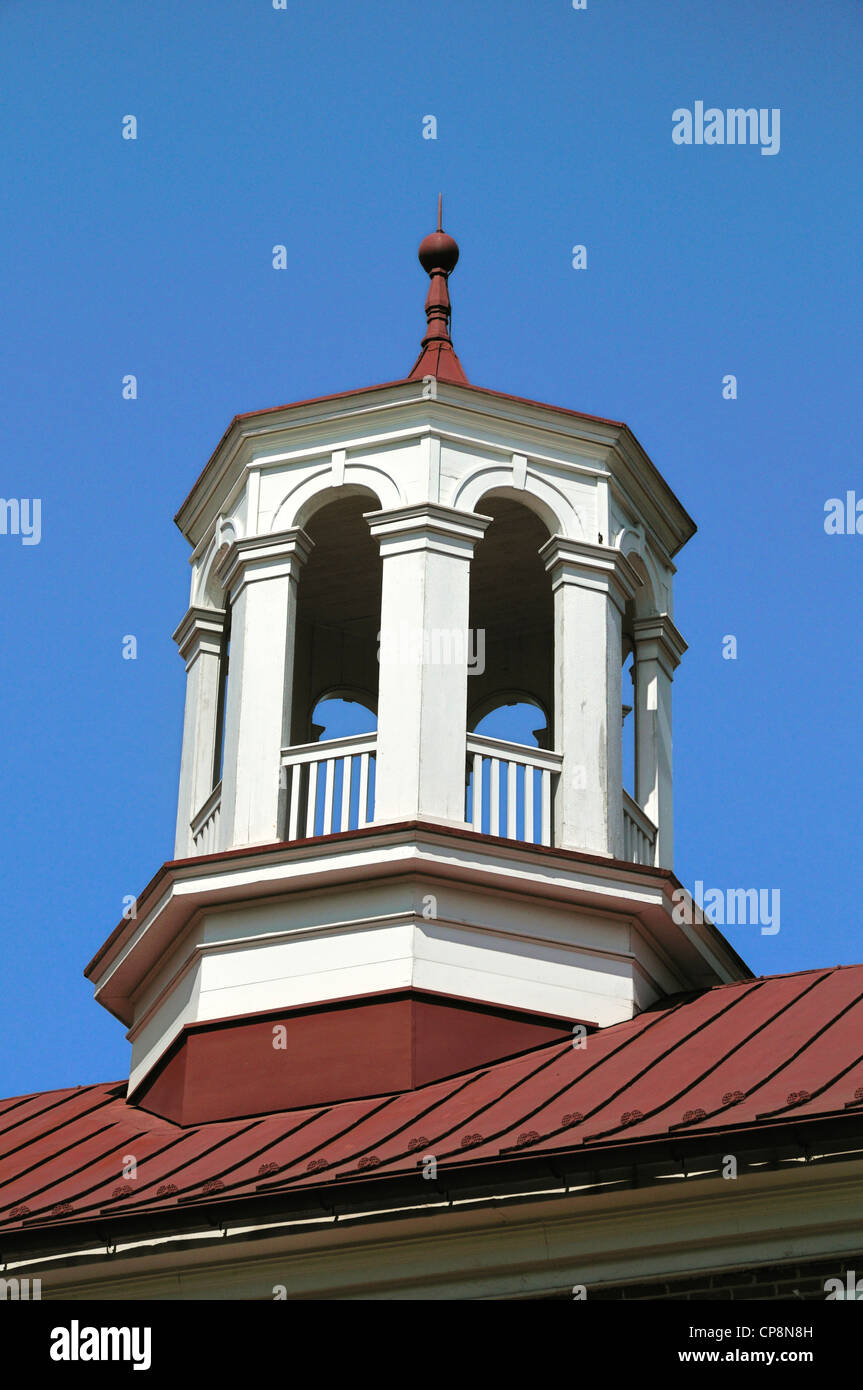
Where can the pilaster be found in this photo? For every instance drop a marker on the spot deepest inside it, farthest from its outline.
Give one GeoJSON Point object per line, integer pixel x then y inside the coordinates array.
{"type": "Point", "coordinates": [591, 584]}
{"type": "Point", "coordinates": [260, 575]}
{"type": "Point", "coordinates": [200, 638]}
{"type": "Point", "coordinates": [658, 651]}
{"type": "Point", "coordinates": [425, 647]}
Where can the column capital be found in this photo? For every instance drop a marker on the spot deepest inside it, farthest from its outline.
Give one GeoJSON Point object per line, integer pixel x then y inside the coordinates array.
{"type": "Point", "coordinates": [275, 555]}
{"type": "Point", "coordinates": [428, 526]}
{"type": "Point", "coordinates": [657, 639]}
{"type": "Point", "coordinates": [589, 566]}
{"type": "Point", "coordinates": [200, 630]}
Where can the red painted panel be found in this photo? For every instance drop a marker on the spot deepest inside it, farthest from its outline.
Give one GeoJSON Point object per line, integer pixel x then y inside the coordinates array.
{"type": "Point", "coordinates": [338, 1051]}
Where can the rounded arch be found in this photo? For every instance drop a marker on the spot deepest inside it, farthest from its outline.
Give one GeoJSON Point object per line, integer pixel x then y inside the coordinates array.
{"type": "Point", "coordinates": [209, 591]}
{"type": "Point", "coordinates": [338, 614]}
{"type": "Point", "coordinates": [511, 614]}
{"type": "Point", "coordinates": [543, 498]}
{"type": "Point", "coordinates": [351, 694]}
{"type": "Point", "coordinates": [299, 505]}
{"type": "Point", "coordinates": [646, 601]}
{"type": "Point", "coordinates": [342, 711]}
{"type": "Point", "coordinates": [205, 580]}
{"type": "Point", "coordinates": [506, 699]}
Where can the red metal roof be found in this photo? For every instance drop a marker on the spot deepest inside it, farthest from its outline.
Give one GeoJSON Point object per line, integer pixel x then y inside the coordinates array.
{"type": "Point", "coordinates": [745, 1056]}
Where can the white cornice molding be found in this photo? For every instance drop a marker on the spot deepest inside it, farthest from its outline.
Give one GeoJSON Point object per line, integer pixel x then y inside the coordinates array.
{"type": "Point", "coordinates": [427, 527]}
{"type": "Point", "coordinates": [591, 462]}
{"type": "Point", "coordinates": [590, 566]}
{"type": "Point", "coordinates": [533, 429]}
{"type": "Point", "coordinates": [200, 630]}
{"type": "Point", "coordinates": [629, 891]}
{"type": "Point", "coordinates": [193, 950]}
{"type": "Point", "coordinates": [658, 639]}
{"type": "Point", "coordinates": [270, 556]}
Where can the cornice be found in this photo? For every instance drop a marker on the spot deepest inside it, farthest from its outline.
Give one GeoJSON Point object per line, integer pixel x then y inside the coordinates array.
{"type": "Point", "coordinates": [428, 526]}
{"type": "Point", "coordinates": [590, 566]}
{"type": "Point", "coordinates": [657, 638]}
{"type": "Point", "coordinates": [253, 558]}
{"type": "Point", "coordinates": [528, 421]}
{"type": "Point", "coordinates": [346, 861]}
{"type": "Point", "coordinates": [200, 630]}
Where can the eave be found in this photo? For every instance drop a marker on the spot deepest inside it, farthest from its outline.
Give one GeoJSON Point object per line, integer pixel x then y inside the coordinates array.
{"type": "Point", "coordinates": [517, 1189]}
{"type": "Point", "coordinates": [638, 476]}
{"type": "Point", "coordinates": [183, 888]}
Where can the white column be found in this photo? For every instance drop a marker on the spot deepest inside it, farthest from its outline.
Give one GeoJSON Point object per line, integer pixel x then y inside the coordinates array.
{"type": "Point", "coordinates": [424, 647]}
{"type": "Point", "coordinates": [199, 638]}
{"type": "Point", "coordinates": [591, 584]}
{"type": "Point", "coordinates": [658, 650]}
{"type": "Point", "coordinates": [260, 575]}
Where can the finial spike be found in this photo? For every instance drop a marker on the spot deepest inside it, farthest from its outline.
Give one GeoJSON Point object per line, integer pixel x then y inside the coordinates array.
{"type": "Point", "coordinates": [438, 255]}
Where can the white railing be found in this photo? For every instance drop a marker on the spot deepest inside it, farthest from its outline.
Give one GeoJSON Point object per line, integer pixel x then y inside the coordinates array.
{"type": "Point", "coordinates": [329, 787]}
{"type": "Point", "coordinates": [205, 826]}
{"type": "Point", "coordinates": [510, 788]}
{"type": "Point", "coordinates": [639, 833]}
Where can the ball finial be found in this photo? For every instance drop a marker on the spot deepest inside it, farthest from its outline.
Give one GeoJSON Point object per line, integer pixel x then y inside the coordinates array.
{"type": "Point", "coordinates": [438, 251]}
{"type": "Point", "coordinates": [438, 254]}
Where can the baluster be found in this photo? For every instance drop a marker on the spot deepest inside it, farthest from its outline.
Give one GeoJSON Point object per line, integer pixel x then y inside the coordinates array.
{"type": "Point", "coordinates": [511, 792]}
{"type": "Point", "coordinates": [363, 806]}
{"type": "Point", "coordinates": [327, 827]}
{"type": "Point", "coordinates": [295, 802]}
{"type": "Point", "coordinates": [545, 837]}
{"type": "Point", "coordinates": [477, 791]}
{"type": "Point", "coordinates": [311, 797]}
{"type": "Point", "coordinates": [347, 763]}
{"type": "Point", "coordinates": [494, 796]}
{"type": "Point", "coordinates": [528, 804]}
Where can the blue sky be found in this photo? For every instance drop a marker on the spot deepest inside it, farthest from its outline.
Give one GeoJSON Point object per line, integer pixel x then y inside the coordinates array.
{"type": "Point", "coordinates": [304, 127]}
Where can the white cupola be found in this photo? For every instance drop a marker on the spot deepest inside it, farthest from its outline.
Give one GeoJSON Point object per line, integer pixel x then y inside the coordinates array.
{"type": "Point", "coordinates": [432, 551]}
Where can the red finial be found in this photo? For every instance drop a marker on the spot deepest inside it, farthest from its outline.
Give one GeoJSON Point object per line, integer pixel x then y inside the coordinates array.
{"type": "Point", "coordinates": [438, 255]}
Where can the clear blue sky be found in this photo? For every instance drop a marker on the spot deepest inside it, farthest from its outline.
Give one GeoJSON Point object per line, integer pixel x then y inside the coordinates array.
{"type": "Point", "coordinates": [304, 127]}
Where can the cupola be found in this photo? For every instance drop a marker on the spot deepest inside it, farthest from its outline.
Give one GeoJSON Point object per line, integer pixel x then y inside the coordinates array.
{"type": "Point", "coordinates": [432, 888]}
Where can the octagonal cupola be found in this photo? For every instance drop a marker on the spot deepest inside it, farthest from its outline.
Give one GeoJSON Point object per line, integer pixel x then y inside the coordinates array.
{"type": "Point", "coordinates": [402, 775]}
{"type": "Point", "coordinates": [430, 551]}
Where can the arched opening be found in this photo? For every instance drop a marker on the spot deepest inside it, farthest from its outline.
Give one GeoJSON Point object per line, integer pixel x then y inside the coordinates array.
{"type": "Point", "coordinates": [511, 690]}
{"type": "Point", "coordinates": [511, 605]}
{"type": "Point", "coordinates": [338, 612]}
{"type": "Point", "coordinates": [323, 498]}
{"type": "Point", "coordinates": [335, 677]}
{"type": "Point", "coordinates": [515, 717]}
{"type": "Point", "coordinates": [343, 714]}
